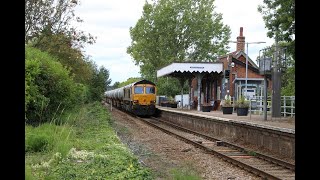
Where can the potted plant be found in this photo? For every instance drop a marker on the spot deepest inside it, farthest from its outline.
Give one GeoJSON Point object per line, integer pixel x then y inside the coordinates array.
{"type": "Point", "coordinates": [172, 103]}
{"type": "Point", "coordinates": [242, 106]}
{"type": "Point", "coordinates": [227, 107]}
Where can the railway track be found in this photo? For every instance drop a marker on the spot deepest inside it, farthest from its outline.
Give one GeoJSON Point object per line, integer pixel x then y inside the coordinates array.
{"type": "Point", "coordinates": [261, 165]}
{"type": "Point", "coordinates": [256, 163]}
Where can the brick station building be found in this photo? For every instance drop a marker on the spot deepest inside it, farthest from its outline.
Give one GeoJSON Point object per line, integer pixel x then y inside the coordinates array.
{"type": "Point", "coordinates": [237, 76]}
{"type": "Point", "coordinates": [213, 84]}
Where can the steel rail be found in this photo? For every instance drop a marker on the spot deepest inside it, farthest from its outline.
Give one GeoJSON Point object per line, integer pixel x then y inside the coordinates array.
{"type": "Point", "coordinates": [231, 160]}
{"type": "Point", "coordinates": [258, 155]}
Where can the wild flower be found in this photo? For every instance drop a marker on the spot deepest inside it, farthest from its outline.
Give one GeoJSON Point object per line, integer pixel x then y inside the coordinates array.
{"type": "Point", "coordinates": [56, 158]}
{"type": "Point", "coordinates": [80, 155]}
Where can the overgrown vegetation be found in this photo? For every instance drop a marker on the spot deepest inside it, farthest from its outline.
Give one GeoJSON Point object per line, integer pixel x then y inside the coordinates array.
{"type": "Point", "coordinates": [58, 73]}
{"type": "Point", "coordinates": [51, 88]}
{"type": "Point", "coordinates": [84, 147]}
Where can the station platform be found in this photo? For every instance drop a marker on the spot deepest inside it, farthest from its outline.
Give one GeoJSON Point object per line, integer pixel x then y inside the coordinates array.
{"type": "Point", "coordinates": [284, 123]}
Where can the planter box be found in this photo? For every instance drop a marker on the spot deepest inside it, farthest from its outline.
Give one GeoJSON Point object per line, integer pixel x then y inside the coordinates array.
{"type": "Point", "coordinates": [227, 110]}
{"type": "Point", "coordinates": [242, 111]}
{"type": "Point", "coordinates": [169, 104]}
{"type": "Point", "coordinates": [173, 105]}
{"type": "Point", "coordinates": [206, 108]}
{"type": "Point", "coordinates": [164, 104]}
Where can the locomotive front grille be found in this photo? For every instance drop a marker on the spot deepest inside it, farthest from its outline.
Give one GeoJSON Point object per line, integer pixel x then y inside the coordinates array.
{"type": "Point", "coordinates": [144, 110]}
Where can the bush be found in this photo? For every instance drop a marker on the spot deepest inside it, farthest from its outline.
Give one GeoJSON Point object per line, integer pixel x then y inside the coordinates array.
{"type": "Point", "coordinates": [48, 137]}
{"type": "Point", "coordinates": [49, 87]}
{"type": "Point", "coordinates": [37, 139]}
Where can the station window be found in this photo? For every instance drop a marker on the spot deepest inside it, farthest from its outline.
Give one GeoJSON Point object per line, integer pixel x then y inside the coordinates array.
{"type": "Point", "coordinates": [150, 90]}
{"type": "Point", "coordinates": [138, 90]}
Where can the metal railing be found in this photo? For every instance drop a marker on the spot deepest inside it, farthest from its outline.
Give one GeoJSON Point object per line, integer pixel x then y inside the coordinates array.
{"type": "Point", "coordinates": [287, 105]}
{"type": "Point", "coordinates": [256, 105]}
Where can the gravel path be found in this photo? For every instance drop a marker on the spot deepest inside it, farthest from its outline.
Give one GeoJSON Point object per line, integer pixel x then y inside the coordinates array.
{"type": "Point", "coordinates": [162, 152]}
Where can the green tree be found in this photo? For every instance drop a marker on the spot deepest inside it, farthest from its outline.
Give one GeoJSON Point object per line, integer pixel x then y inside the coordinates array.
{"type": "Point", "coordinates": [288, 77]}
{"type": "Point", "coordinates": [99, 83]}
{"type": "Point", "coordinates": [279, 18]}
{"type": "Point", "coordinates": [116, 85]}
{"type": "Point", "coordinates": [177, 30]}
{"type": "Point", "coordinates": [48, 28]}
{"type": "Point", "coordinates": [129, 81]}
{"type": "Point", "coordinates": [60, 46]}
{"type": "Point", "coordinates": [49, 86]}
{"type": "Point", "coordinates": [45, 17]}
{"type": "Point", "coordinates": [170, 87]}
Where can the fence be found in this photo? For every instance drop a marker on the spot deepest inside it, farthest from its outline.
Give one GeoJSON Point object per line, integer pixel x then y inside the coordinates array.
{"type": "Point", "coordinates": [257, 105]}
{"type": "Point", "coordinates": [287, 105]}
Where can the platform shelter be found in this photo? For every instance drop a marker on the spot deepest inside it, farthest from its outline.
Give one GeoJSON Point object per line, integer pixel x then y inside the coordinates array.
{"type": "Point", "coordinates": [208, 76]}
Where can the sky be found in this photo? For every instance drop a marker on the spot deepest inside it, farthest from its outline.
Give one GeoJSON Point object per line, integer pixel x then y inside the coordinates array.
{"type": "Point", "coordinates": [110, 20]}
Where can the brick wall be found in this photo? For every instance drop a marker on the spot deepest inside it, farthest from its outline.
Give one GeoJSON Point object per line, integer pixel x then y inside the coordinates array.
{"type": "Point", "coordinates": [240, 71]}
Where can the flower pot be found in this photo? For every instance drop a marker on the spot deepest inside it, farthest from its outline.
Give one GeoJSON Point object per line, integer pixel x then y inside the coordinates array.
{"type": "Point", "coordinates": [206, 108]}
{"type": "Point", "coordinates": [242, 111]}
{"type": "Point", "coordinates": [227, 110]}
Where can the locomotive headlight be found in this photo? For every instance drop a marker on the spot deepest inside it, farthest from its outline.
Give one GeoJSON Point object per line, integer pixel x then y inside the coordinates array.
{"type": "Point", "coordinates": [152, 101]}
{"type": "Point", "coordinates": [136, 101]}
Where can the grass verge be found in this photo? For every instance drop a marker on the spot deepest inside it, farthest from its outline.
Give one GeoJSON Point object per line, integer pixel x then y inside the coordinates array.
{"type": "Point", "coordinates": [84, 147]}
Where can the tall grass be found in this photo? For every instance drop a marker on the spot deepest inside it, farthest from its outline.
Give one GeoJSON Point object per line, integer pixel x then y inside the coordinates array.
{"type": "Point", "coordinates": [186, 172]}
{"type": "Point", "coordinates": [83, 147]}
{"type": "Point", "coordinates": [28, 173]}
{"type": "Point", "coordinates": [48, 138]}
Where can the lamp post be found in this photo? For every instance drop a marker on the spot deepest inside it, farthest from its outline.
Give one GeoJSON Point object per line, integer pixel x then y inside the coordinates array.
{"type": "Point", "coordinates": [259, 42]}
{"type": "Point", "coordinates": [247, 65]}
{"type": "Point", "coordinates": [230, 71]}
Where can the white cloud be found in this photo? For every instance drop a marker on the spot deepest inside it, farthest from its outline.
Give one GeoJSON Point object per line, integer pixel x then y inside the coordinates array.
{"type": "Point", "coordinates": [110, 21]}
{"type": "Point", "coordinates": [244, 14]}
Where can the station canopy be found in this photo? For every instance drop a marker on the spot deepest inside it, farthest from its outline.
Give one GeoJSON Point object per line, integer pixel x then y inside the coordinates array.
{"type": "Point", "coordinates": [187, 69]}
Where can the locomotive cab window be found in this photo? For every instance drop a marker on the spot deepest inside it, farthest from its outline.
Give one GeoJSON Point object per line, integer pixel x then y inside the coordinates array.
{"type": "Point", "coordinates": [150, 90]}
{"type": "Point", "coordinates": [138, 90]}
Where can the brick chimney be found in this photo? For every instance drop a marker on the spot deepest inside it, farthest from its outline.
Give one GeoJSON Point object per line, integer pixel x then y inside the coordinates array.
{"type": "Point", "coordinates": [241, 41]}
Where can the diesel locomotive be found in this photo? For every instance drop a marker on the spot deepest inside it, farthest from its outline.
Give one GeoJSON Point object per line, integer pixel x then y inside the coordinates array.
{"type": "Point", "coordinates": [138, 98]}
